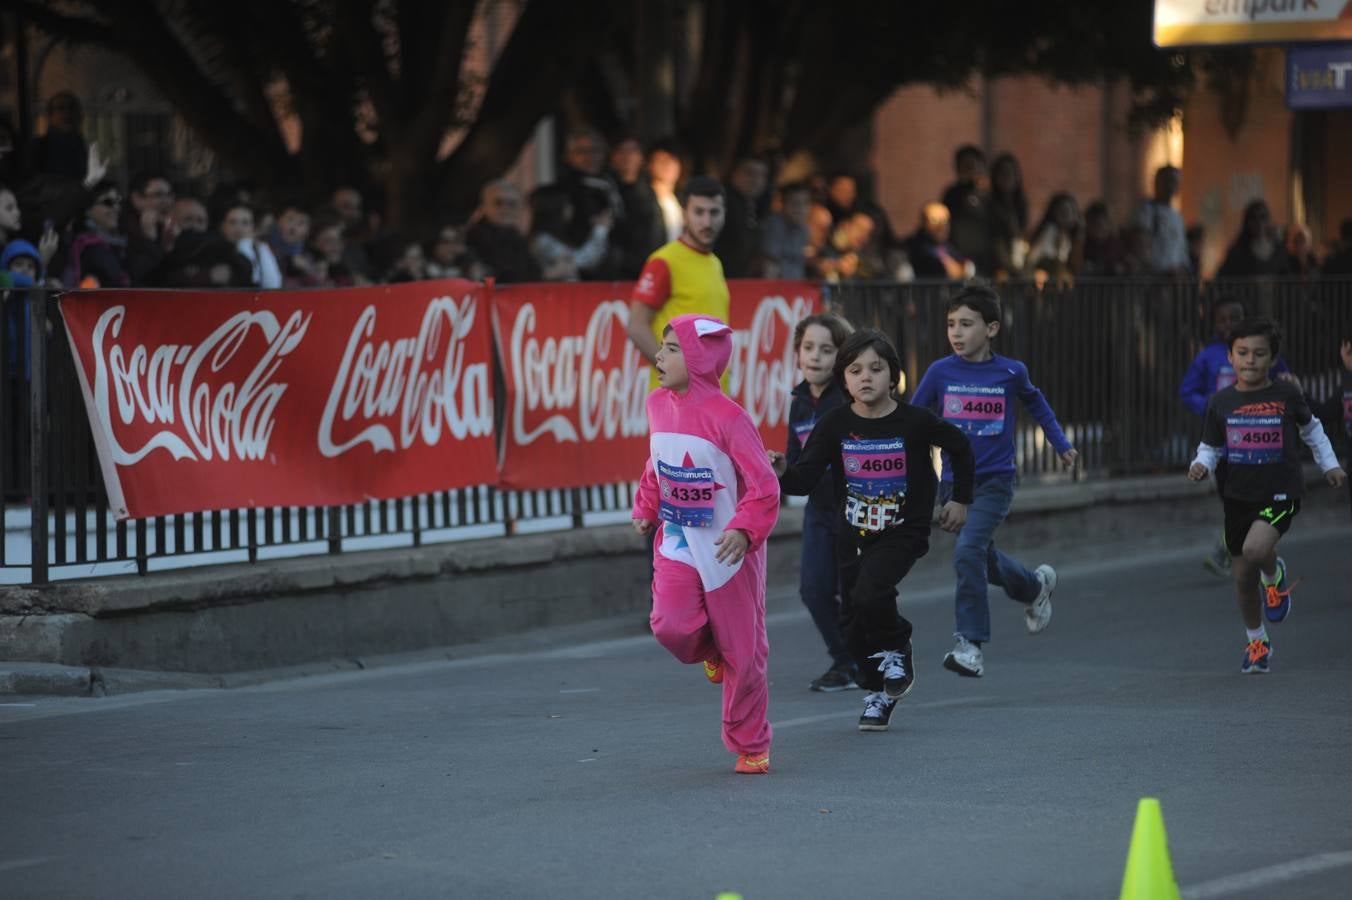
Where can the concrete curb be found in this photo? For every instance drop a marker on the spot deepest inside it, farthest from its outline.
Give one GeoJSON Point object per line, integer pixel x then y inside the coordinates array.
{"type": "Point", "coordinates": [226, 626]}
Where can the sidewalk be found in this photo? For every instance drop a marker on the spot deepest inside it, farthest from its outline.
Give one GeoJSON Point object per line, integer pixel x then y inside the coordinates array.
{"type": "Point", "coordinates": [235, 624]}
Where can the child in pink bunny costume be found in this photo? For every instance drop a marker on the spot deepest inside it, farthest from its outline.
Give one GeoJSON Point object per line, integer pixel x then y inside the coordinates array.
{"type": "Point", "coordinates": [710, 487]}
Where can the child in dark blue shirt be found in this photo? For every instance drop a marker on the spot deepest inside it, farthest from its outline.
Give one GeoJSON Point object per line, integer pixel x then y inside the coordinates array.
{"type": "Point", "coordinates": [1210, 371]}
{"type": "Point", "coordinates": [975, 390]}
{"type": "Point", "coordinates": [816, 341]}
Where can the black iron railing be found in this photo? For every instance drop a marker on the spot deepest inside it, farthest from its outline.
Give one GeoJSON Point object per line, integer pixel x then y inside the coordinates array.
{"type": "Point", "coordinates": [1108, 354]}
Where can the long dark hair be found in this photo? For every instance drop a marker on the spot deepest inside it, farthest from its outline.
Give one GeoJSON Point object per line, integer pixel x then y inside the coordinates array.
{"type": "Point", "coordinates": [1049, 214]}
{"type": "Point", "coordinates": [1016, 200]}
{"type": "Point", "coordinates": [550, 211]}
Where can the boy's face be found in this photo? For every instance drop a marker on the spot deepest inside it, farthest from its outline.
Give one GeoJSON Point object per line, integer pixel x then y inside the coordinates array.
{"type": "Point", "coordinates": [1252, 359]}
{"type": "Point", "coordinates": [24, 265]}
{"type": "Point", "coordinates": [868, 379]}
{"type": "Point", "coordinates": [817, 355]}
{"type": "Point", "coordinates": [970, 335]}
{"type": "Point", "coordinates": [1228, 315]}
{"type": "Point", "coordinates": [671, 370]}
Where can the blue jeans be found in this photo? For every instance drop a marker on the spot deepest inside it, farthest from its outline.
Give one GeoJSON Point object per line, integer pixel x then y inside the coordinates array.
{"type": "Point", "coordinates": [978, 563]}
{"type": "Point", "coordinates": [819, 580]}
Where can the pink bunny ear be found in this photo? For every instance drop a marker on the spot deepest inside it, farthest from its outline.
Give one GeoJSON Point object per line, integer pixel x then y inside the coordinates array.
{"type": "Point", "coordinates": [705, 327]}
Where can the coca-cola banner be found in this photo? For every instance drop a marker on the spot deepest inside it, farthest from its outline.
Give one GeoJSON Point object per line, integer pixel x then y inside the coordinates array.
{"type": "Point", "coordinates": [576, 388]}
{"type": "Point", "coordinates": [210, 400]}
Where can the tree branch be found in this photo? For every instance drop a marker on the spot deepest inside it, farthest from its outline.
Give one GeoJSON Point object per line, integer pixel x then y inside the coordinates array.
{"type": "Point", "coordinates": [541, 60]}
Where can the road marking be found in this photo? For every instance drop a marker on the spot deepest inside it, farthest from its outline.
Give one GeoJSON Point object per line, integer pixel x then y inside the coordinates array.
{"type": "Point", "coordinates": [1266, 877]}
{"type": "Point", "coordinates": [578, 690]}
{"type": "Point", "coordinates": [601, 648]}
{"type": "Point", "coordinates": [20, 705]}
{"type": "Point", "coordinates": [9, 865]}
{"type": "Point", "coordinates": [827, 717]}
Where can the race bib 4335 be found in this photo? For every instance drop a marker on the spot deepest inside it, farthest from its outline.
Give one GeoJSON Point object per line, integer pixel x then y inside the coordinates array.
{"type": "Point", "coordinates": [686, 495]}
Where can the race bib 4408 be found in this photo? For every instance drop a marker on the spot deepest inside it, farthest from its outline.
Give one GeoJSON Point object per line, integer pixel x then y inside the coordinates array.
{"type": "Point", "coordinates": [975, 409]}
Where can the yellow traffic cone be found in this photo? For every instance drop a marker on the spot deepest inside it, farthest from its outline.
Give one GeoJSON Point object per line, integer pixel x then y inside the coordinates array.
{"type": "Point", "coordinates": [1149, 875]}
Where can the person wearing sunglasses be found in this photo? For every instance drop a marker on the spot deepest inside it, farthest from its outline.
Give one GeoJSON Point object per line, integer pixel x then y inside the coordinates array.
{"type": "Point", "coordinates": [98, 252]}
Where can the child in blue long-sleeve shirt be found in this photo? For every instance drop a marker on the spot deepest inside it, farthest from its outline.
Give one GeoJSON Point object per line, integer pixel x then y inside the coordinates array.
{"type": "Point", "coordinates": [1210, 371]}
{"type": "Point", "coordinates": [975, 390]}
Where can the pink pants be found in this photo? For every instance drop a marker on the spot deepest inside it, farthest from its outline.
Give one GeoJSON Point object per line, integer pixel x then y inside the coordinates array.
{"type": "Point", "coordinates": [727, 625]}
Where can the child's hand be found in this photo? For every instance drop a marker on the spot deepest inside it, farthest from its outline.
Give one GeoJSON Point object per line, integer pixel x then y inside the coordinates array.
{"type": "Point", "coordinates": [643, 526]}
{"type": "Point", "coordinates": [1290, 379]}
{"type": "Point", "coordinates": [1336, 477]}
{"type": "Point", "coordinates": [1345, 351]}
{"type": "Point", "coordinates": [731, 546]}
{"type": "Point", "coordinates": [953, 516]}
{"type": "Point", "coordinates": [1198, 472]}
{"type": "Point", "coordinates": [778, 461]}
{"type": "Point", "coordinates": [47, 245]}
{"type": "Point", "coordinates": [1068, 458]}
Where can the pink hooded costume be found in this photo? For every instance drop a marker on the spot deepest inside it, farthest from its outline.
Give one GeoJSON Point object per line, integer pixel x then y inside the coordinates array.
{"type": "Point", "coordinates": [708, 474]}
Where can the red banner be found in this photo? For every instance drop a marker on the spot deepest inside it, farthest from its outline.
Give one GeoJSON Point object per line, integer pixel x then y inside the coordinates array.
{"type": "Point", "coordinates": [576, 388]}
{"type": "Point", "coordinates": [209, 400]}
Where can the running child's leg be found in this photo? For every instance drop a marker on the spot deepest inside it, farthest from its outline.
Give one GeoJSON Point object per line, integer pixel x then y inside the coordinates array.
{"type": "Point", "coordinates": [736, 613]}
{"type": "Point", "coordinates": [679, 619]}
{"type": "Point", "coordinates": [971, 602]}
{"type": "Point", "coordinates": [1257, 554]}
{"type": "Point", "coordinates": [819, 583]}
{"type": "Point", "coordinates": [872, 622]}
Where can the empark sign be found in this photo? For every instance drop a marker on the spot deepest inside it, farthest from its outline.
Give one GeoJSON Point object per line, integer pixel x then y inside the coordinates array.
{"type": "Point", "coordinates": [1180, 23]}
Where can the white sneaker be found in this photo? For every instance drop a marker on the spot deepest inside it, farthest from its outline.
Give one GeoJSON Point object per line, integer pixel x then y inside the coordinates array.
{"type": "Point", "coordinates": [965, 658]}
{"type": "Point", "coordinates": [1039, 612]}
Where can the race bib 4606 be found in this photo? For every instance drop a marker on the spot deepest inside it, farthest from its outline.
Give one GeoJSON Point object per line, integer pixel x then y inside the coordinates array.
{"type": "Point", "coordinates": [875, 481]}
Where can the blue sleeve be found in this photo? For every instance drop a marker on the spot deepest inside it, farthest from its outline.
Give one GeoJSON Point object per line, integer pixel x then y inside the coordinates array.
{"type": "Point", "coordinates": [1037, 405]}
{"type": "Point", "coordinates": [1280, 367]}
{"type": "Point", "coordinates": [926, 393]}
{"type": "Point", "coordinates": [1192, 390]}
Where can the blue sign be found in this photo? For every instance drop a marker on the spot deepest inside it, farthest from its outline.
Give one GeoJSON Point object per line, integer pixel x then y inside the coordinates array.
{"type": "Point", "coordinates": [1319, 76]}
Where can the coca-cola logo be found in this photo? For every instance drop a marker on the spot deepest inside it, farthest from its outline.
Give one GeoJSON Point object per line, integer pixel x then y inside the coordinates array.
{"type": "Point", "coordinates": [762, 370]}
{"type": "Point", "coordinates": [205, 415]}
{"type": "Point", "coordinates": [416, 385]}
{"type": "Point", "coordinates": [590, 385]}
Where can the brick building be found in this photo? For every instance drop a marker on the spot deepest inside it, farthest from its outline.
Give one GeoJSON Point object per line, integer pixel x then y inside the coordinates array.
{"type": "Point", "coordinates": [1077, 139]}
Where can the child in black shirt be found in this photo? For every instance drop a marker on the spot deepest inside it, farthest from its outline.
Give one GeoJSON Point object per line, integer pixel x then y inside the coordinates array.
{"type": "Point", "coordinates": [878, 453]}
{"type": "Point", "coordinates": [1256, 423]}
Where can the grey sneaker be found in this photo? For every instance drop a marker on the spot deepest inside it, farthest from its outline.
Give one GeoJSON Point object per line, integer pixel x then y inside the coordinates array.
{"type": "Point", "coordinates": [877, 712]}
{"type": "Point", "coordinates": [964, 658]}
{"type": "Point", "coordinates": [836, 678]}
{"type": "Point", "coordinates": [1039, 612]}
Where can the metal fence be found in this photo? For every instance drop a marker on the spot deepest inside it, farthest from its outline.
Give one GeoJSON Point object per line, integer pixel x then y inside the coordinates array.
{"type": "Point", "coordinates": [1108, 355]}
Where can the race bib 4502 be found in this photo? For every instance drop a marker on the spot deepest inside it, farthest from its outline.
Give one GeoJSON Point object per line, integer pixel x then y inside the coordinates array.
{"type": "Point", "coordinates": [1253, 440]}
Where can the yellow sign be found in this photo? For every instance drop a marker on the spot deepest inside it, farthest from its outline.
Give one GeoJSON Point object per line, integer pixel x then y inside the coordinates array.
{"type": "Point", "coordinates": [1182, 23]}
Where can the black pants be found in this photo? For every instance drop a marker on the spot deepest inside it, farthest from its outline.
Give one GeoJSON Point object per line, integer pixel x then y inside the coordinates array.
{"type": "Point", "coordinates": [869, 574]}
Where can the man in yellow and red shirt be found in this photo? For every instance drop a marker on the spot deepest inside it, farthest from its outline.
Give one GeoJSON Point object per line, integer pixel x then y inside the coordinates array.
{"type": "Point", "coordinates": [682, 276]}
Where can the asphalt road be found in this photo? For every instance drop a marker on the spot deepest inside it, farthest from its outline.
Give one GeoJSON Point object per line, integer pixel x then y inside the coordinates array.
{"type": "Point", "coordinates": [545, 767]}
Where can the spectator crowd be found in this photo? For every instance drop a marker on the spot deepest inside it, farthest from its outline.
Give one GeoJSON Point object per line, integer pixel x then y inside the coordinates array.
{"type": "Point", "coordinates": [65, 223]}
